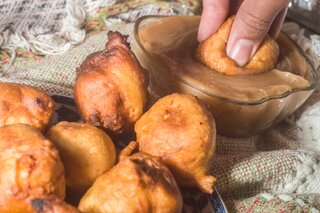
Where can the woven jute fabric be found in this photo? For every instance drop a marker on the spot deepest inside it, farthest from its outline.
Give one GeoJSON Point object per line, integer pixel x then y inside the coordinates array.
{"type": "Point", "coordinates": [23, 15]}
{"type": "Point", "coordinates": [275, 171]}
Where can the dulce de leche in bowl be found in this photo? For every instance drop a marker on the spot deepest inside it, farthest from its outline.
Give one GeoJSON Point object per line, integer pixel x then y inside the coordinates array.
{"type": "Point", "coordinates": [242, 105]}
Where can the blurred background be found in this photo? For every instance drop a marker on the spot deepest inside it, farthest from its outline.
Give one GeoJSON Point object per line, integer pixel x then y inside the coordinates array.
{"type": "Point", "coordinates": [306, 13]}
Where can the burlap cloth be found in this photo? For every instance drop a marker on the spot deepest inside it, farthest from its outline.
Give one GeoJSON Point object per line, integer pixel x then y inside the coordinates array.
{"type": "Point", "coordinates": [277, 171]}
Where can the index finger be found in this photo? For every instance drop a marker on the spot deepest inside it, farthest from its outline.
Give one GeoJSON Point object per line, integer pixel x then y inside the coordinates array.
{"type": "Point", "coordinates": [213, 15]}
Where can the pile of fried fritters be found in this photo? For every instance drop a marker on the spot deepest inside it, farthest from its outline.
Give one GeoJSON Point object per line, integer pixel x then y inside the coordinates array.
{"type": "Point", "coordinates": [41, 164]}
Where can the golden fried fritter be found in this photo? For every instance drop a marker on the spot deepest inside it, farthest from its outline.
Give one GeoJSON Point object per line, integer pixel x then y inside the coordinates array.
{"type": "Point", "coordinates": [86, 152]}
{"type": "Point", "coordinates": [111, 87]}
{"type": "Point", "coordinates": [212, 53]}
{"type": "Point", "coordinates": [180, 130]}
{"type": "Point", "coordinates": [137, 184]}
{"type": "Point", "coordinates": [24, 104]}
{"type": "Point", "coordinates": [45, 204]}
{"type": "Point", "coordinates": [29, 166]}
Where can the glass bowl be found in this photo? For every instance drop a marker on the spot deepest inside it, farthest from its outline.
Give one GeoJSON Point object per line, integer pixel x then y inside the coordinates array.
{"type": "Point", "coordinates": [234, 117]}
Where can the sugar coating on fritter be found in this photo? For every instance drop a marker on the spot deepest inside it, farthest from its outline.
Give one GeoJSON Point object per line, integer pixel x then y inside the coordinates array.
{"type": "Point", "coordinates": [212, 53]}
{"type": "Point", "coordinates": [139, 183]}
{"type": "Point", "coordinates": [26, 105]}
{"type": "Point", "coordinates": [85, 150]}
{"type": "Point", "coordinates": [111, 87]}
{"type": "Point", "coordinates": [30, 166]}
{"type": "Point", "coordinates": [180, 130]}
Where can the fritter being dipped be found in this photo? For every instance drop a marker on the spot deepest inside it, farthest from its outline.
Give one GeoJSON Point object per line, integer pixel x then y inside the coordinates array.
{"type": "Point", "coordinates": [30, 166]}
{"type": "Point", "coordinates": [212, 53]}
{"type": "Point", "coordinates": [86, 152]}
{"type": "Point", "coordinates": [45, 204]}
{"type": "Point", "coordinates": [111, 87]}
{"type": "Point", "coordinates": [24, 104]}
{"type": "Point", "coordinates": [137, 184]}
{"type": "Point", "coordinates": [180, 130]}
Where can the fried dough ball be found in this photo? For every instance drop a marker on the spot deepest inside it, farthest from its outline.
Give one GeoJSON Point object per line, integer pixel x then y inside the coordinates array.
{"type": "Point", "coordinates": [111, 87]}
{"type": "Point", "coordinates": [212, 53]}
{"type": "Point", "coordinates": [30, 166]}
{"type": "Point", "coordinates": [137, 184]}
{"type": "Point", "coordinates": [24, 104]}
{"type": "Point", "coordinates": [180, 130]}
{"type": "Point", "coordinates": [86, 152]}
{"type": "Point", "coordinates": [45, 204]}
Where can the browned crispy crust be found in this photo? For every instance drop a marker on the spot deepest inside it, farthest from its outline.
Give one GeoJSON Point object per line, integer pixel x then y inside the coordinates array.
{"type": "Point", "coordinates": [29, 166]}
{"type": "Point", "coordinates": [25, 104]}
{"type": "Point", "coordinates": [180, 130]}
{"type": "Point", "coordinates": [111, 87]}
{"type": "Point", "coordinates": [138, 183]}
{"type": "Point", "coordinates": [51, 204]}
{"type": "Point", "coordinates": [212, 53]}
{"type": "Point", "coordinates": [43, 204]}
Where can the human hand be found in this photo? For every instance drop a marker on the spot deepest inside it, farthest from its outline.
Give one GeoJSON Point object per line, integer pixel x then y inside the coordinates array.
{"type": "Point", "coordinates": [254, 19]}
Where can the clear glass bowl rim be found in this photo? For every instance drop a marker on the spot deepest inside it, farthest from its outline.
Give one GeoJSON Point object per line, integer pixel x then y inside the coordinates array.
{"type": "Point", "coordinates": [313, 84]}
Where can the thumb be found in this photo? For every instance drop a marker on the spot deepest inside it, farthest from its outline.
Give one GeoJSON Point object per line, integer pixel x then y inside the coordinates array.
{"type": "Point", "coordinates": [250, 26]}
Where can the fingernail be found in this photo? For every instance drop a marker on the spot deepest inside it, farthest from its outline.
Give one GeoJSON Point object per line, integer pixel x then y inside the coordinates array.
{"type": "Point", "coordinates": [242, 51]}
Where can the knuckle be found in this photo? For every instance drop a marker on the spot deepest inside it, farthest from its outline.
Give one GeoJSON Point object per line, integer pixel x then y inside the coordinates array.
{"type": "Point", "coordinates": [254, 22]}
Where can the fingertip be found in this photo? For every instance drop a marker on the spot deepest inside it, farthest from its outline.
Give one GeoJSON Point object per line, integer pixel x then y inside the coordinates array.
{"type": "Point", "coordinates": [207, 27]}
{"type": "Point", "coordinates": [203, 35]}
{"type": "Point", "coordinates": [242, 51]}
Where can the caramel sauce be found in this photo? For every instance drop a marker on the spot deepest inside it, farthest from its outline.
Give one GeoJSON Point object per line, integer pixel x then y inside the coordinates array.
{"type": "Point", "coordinates": [173, 41]}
